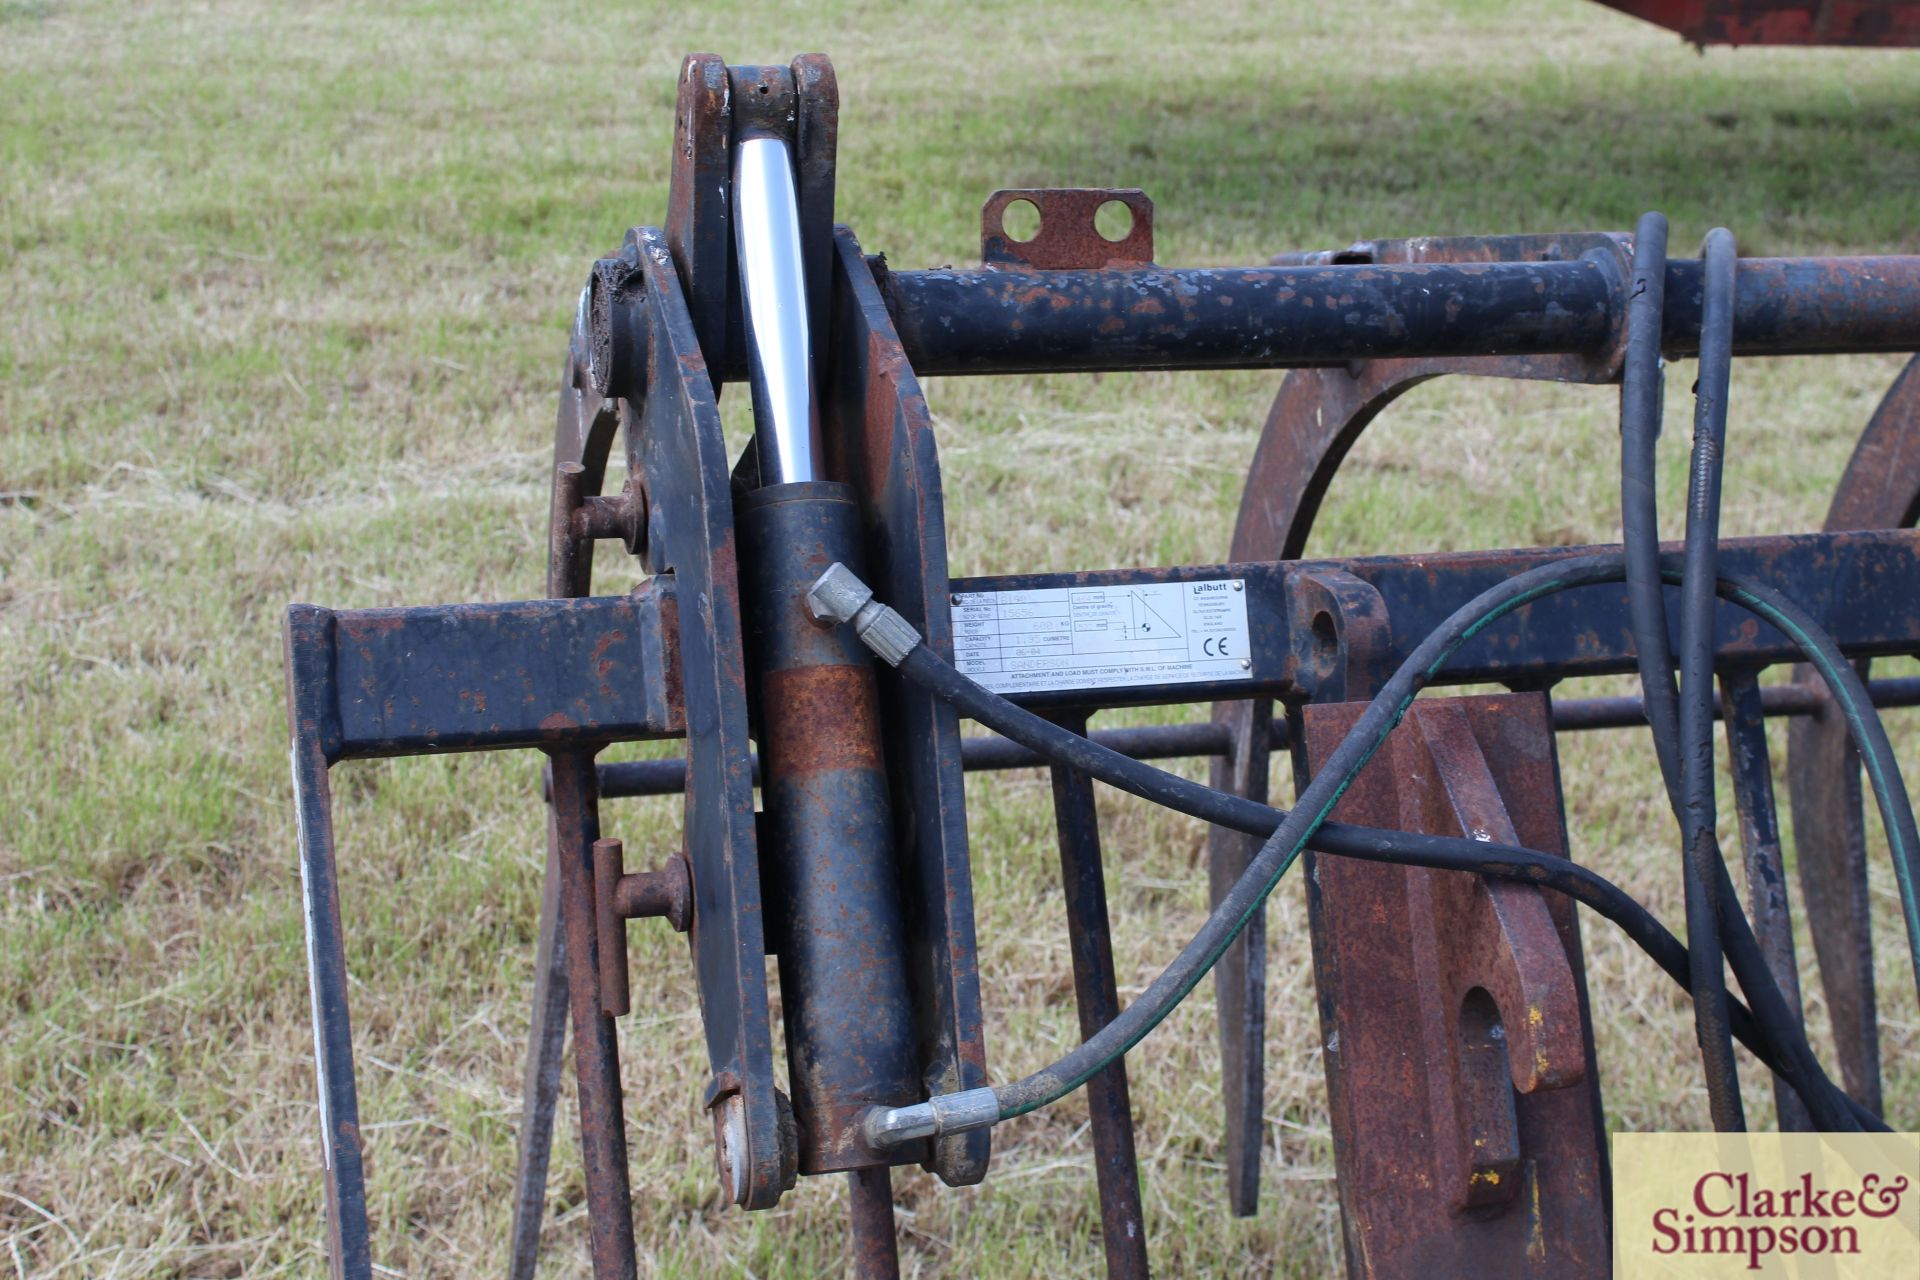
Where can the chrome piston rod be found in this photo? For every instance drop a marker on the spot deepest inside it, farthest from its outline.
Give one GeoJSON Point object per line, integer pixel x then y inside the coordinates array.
{"type": "Point", "coordinates": [773, 287]}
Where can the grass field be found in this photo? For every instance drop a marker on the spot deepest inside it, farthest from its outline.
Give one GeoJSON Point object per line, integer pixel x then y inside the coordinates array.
{"type": "Point", "coordinates": [282, 298]}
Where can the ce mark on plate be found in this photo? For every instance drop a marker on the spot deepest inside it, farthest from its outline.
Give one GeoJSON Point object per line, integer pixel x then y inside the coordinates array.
{"type": "Point", "coordinates": [1215, 646]}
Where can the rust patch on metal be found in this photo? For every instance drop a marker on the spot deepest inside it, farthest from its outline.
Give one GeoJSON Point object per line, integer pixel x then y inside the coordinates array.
{"type": "Point", "coordinates": [829, 719]}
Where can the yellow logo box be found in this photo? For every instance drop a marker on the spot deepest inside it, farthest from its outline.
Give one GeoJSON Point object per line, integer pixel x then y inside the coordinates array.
{"type": "Point", "coordinates": [1705, 1205]}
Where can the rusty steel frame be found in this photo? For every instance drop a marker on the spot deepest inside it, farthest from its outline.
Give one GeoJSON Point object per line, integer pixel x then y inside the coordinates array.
{"type": "Point", "coordinates": [1512, 1165]}
{"type": "Point", "coordinates": [1461, 1079]}
{"type": "Point", "coordinates": [1316, 418]}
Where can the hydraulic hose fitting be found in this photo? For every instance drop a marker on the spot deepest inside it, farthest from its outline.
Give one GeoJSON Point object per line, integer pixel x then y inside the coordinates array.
{"type": "Point", "coordinates": [838, 595]}
{"type": "Point", "coordinates": [885, 1127]}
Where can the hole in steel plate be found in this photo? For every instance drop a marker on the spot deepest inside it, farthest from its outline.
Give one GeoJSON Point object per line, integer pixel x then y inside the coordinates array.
{"type": "Point", "coordinates": [1021, 221]}
{"type": "Point", "coordinates": [1114, 221]}
{"type": "Point", "coordinates": [1325, 637]}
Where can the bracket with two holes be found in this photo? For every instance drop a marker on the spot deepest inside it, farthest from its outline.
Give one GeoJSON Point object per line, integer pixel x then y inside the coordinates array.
{"type": "Point", "coordinates": [1068, 238]}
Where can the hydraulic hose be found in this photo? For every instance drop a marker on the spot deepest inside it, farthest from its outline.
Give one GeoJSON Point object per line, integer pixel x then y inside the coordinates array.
{"type": "Point", "coordinates": [1769, 1030]}
{"type": "Point", "coordinates": [1642, 387]}
{"type": "Point", "coordinates": [1704, 866]}
{"type": "Point", "coordinates": [1869, 736]}
{"type": "Point", "coordinates": [1283, 847]}
{"type": "Point", "coordinates": [890, 636]}
{"type": "Point", "coordinates": [1640, 409]}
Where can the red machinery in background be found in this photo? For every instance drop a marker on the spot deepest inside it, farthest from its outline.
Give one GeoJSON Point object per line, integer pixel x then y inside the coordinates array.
{"type": "Point", "coordinates": [1869, 23]}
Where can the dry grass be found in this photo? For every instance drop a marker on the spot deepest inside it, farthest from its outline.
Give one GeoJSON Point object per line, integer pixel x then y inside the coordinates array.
{"type": "Point", "coordinates": [281, 300]}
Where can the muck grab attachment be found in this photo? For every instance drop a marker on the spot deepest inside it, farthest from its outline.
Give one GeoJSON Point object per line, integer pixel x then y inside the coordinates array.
{"type": "Point", "coordinates": [797, 628]}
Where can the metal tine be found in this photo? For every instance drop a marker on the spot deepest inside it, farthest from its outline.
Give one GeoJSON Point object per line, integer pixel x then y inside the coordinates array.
{"type": "Point", "coordinates": [876, 1247]}
{"type": "Point", "coordinates": [569, 573]}
{"type": "Point", "coordinates": [546, 1040]}
{"type": "Point", "coordinates": [310, 692]}
{"type": "Point", "coordinates": [596, 1052]}
{"type": "Point", "coordinates": [1116, 1168]}
{"type": "Point", "coordinates": [1760, 849]}
{"type": "Point", "coordinates": [1240, 979]}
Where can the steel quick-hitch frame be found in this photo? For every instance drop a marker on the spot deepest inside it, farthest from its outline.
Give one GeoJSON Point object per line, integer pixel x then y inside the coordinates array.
{"type": "Point", "coordinates": [1465, 1104]}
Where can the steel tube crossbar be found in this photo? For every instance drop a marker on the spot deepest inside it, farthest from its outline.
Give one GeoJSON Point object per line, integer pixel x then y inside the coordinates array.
{"type": "Point", "coordinates": [999, 322]}
{"type": "Point", "coordinates": [989, 752]}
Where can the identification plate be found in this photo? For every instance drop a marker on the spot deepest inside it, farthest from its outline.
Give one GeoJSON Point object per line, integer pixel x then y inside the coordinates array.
{"type": "Point", "coordinates": [1103, 637]}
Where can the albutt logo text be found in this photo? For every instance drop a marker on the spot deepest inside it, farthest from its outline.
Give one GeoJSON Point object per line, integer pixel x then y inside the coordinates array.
{"type": "Point", "coordinates": [1729, 1215]}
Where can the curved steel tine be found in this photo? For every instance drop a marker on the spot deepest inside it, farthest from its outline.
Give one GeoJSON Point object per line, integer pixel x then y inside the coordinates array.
{"type": "Point", "coordinates": [1880, 490]}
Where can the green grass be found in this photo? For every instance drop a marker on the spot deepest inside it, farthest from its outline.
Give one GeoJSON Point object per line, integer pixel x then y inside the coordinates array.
{"type": "Point", "coordinates": [282, 297]}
